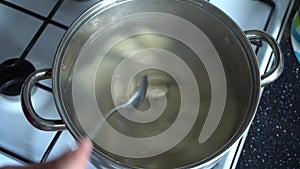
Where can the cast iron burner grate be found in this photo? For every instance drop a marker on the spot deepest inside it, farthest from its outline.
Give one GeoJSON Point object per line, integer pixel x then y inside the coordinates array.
{"type": "Point", "coordinates": [13, 73]}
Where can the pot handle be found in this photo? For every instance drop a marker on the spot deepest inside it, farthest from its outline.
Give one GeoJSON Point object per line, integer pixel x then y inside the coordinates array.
{"type": "Point", "coordinates": [30, 114]}
{"type": "Point", "coordinates": [278, 65]}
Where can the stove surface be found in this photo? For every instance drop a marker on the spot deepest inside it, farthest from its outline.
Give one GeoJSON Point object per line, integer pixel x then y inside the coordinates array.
{"type": "Point", "coordinates": [33, 29]}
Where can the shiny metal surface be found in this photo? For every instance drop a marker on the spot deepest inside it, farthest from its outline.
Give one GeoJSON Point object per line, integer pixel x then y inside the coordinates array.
{"type": "Point", "coordinates": [278, 65]}
{"type": "Point", "coordinates": [31, 115]}
{"type": "Point", "coordinates": [209, 19]}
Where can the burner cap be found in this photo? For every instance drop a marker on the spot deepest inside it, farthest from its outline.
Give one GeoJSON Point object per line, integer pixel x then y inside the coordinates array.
{"type": "Point", "coordinates": [13, 73]}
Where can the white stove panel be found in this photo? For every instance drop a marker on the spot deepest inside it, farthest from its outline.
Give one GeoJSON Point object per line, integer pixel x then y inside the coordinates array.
{"type": "Point", "coordinates": [42, 7]}
{"type": "Point", "coordinates": [16, 30]}
{"type": "Point", "coordinates": [71, 9]}
{"type": "Point", "coordinates": [17, 135]}
{"type": "Point", "coordinates": [6, 160]}
{"type": "Point", "coordinates": [248, 14]}
{"type": "Point", "coordinates": [42, 53]}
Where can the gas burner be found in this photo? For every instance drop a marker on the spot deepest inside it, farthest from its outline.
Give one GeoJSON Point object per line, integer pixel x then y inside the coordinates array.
{"type": "Point", "coordinates": [13, 73]}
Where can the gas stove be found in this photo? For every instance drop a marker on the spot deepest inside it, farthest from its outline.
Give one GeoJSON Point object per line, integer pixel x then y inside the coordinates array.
{"type": "Point", "coordinates": [31, 30]}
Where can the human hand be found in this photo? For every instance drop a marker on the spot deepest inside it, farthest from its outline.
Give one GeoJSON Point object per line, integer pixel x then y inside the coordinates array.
{"type": "Point", "coordinates": [77, 159]}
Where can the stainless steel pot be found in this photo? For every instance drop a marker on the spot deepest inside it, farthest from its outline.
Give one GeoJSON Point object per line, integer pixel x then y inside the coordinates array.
{"type": "Point", "coordinates": [198, 58]}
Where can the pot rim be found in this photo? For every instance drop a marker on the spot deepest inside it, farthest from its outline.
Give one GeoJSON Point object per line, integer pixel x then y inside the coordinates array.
{"type": "Point", "coordinates": [102, 6]}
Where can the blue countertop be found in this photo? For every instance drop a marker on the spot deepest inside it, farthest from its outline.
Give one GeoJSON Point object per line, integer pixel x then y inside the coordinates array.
{"type": "Point", "coordinates": [274, 137]}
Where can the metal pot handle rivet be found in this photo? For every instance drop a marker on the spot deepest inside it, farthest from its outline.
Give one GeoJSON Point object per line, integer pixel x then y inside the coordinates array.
{"type": "Point", "coordinates": [31, 115]}
{"type": "Point", "coordinates": [278, 65]}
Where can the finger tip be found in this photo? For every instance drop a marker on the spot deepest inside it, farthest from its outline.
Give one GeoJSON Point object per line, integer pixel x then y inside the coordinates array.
{"type": "Point", "coordinates": [86, 144]}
